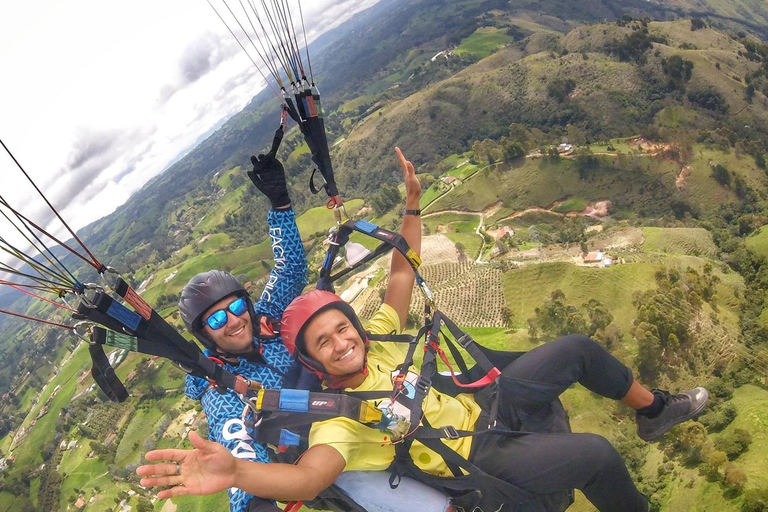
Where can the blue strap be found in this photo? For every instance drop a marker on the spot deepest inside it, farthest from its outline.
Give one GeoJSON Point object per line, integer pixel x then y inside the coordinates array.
{"type": "Point", "coordinates": [294, 400]}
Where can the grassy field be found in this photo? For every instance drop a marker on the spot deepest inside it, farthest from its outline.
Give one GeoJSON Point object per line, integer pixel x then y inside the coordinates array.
{"type": "Point", "coordinates": [752, 403]}
{"type": "Point", "coordinates": [574, 204]}
{"type": "Point", "coordinates": [142, 424]}
{"type": "Point", "coordinates": [228, 204]}
{"type": "Point", "coordinates": [757, 242]}
{"type": "Point", "coordinates": [702, 188]}
{"type": "Point", "coordinates": [44, 426]}
{"type": "Point", "coordinates": [691, 241]}
{"type": "Point", "coordinates": [483, 42]}
{"type": "Point", "coordinates": [84, 474]}
{"type": "Point", "coordinates": [527, 287]}
{"type": "Point", "coordinates": [452, 161]}
{"type": "Point", "coordinates": [463, 172]}
{"type": "Point", "coordinates": [239, 261]}
{"type": "Point", "coordinates": [320, 219]}
{"type": "Point", "coordinates": [539, 183]}
{"type": "Point", "coordinates": [215, 502]}
{"type": "Point", "coordinates": [448, 218]}
{"type": "Point", "coordinates": [7, 502]}
{"type": "Point", "coordinates": [430, 195]}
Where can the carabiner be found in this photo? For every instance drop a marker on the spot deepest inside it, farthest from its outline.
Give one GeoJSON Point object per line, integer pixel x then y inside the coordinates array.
{"type": "Point", "coordinates": [252, 407]}
{"type": "Point", "coordinates": [110, 270]}
{"type": "Point", "coordinates": [81, 325]}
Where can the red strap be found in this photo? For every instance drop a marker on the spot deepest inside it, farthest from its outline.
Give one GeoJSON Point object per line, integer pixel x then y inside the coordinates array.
{"type": "Point", "coordinates": [334, 202]}
{"type": "Point", "coordinates": [293, 506]}
{"type": "Point", "coordinates": [483, 381]}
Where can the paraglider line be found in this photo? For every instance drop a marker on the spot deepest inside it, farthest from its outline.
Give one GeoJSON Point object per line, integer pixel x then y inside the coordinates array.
{"type": "Point", "coordinates": [95, 261]}
{"type": "Point", "coordinates": [246, 51]}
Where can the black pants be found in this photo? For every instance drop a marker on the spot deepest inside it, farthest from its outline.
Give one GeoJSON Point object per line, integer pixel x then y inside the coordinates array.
{"type": "Point", "coordinates": [544, 463]}
{"type": "Point", "coordinates": [262, 505]}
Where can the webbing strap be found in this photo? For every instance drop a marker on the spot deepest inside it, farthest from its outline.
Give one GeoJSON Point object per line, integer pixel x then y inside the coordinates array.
{"type": "Point", "coordinates": [466, 342]}
{"type": "Point", "coordinates": [114, 339]}
{"type": "Point", "coordinates": [154, 336]}
{"type": "Point", "coordinates": [514, 493]}
{"type": "Point", "coordinates": [104, 375]}
{"type": "Point", "coordinates": [389, 240]}
{"type": "Point", "coordinates": [397, 338]}
{"type": "Point", "coordinates": [314, 406]}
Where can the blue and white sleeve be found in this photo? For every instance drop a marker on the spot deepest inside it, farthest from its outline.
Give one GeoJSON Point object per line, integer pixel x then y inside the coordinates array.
{"type": "Point", "coordinates": [289, 274]}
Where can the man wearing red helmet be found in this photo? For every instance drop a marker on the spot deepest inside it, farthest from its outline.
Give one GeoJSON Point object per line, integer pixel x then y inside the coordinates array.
{"type": "Point", "coordinates": [327, 337]}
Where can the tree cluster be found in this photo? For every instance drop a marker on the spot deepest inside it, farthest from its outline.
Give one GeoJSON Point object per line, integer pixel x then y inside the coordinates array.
{"type": "Point", "coordinates": [555, 318]}
{"type": "Point", "coordinates": [664, 318]}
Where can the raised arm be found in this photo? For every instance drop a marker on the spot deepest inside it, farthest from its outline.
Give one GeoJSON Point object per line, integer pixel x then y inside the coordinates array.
{"type": "Point", "coordinates": [210, 468]}
{"type": "Point", "coordinates": [401, 277]}
{"type": "Point", "coordinates": [289, 273]}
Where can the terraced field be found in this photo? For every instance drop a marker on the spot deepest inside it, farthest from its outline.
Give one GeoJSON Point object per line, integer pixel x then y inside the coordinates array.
{"type": "Point", "coordinates": [471, 295]}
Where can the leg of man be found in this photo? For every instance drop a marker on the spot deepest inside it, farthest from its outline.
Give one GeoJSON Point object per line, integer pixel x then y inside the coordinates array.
{"type": "Point", "coordinates": [371, 490]}
{"type": "Point", "coordinates": [551, 462]}
{"type": "Point", "coordinates": [538, 377]}
{"type": "Point", "coordinates": [548, 463]}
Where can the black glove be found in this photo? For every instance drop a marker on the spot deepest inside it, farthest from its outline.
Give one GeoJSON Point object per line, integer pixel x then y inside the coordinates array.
{"type": "Point", "coordinates": [269, 177]}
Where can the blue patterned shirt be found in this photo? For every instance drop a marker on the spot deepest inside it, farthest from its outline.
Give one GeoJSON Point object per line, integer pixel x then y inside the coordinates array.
{"type": "Point", "coordinates": [225, 410]}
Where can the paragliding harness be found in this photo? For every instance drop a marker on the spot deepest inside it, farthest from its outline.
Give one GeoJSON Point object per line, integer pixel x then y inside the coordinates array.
{"type": "Point", "coordinates": [144, 330]}
{"type": "Point", "coordinates": [283, 415]}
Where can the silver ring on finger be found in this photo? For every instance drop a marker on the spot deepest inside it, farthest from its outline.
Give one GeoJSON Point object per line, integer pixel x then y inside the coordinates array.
{"type": "Point", "coordinates": [178, 468]}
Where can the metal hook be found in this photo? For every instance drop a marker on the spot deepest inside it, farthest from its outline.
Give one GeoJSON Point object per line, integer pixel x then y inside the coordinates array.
{"type": "Point", "coordinates": [254, 410]}
{"type": "Point", "coordinates": [110, 270]}
{"type": "Point", "coordinates": [87, 329]}
{"type": "Point", "coordinates": [85, 301]}
{"type": "Point", "coordinates": [428, 296]}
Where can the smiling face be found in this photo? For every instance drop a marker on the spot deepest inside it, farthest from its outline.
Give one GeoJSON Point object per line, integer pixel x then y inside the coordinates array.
{"type": "Point", "coordinates": [332, 340]}
{"type": "Point", "coordinates": [236, 337]}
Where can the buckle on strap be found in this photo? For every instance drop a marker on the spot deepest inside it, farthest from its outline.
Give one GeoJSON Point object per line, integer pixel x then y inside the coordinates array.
{"type": "Point", "coordinates": [450, 432]}
{"type": "Point", "coordinates": [464, 340]}
{"type": "Point", "coordinates": [424, 383]}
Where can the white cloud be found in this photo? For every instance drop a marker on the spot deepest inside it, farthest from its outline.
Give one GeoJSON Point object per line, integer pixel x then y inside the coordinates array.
{"type": "Point", "coordinates": [98, 97]}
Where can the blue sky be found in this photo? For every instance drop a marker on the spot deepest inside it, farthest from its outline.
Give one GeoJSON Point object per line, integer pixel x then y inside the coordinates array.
{"type": "Point", "coordinates": [98, 97]}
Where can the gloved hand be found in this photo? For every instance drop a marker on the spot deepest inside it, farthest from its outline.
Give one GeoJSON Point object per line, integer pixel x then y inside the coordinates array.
{"type": "Point", "coordinates": [269, 177]}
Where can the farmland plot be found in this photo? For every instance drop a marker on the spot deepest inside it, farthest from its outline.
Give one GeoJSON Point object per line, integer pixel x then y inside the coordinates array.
{"type": "Point", "coordinates": [437, 249]}
{"type": "Point", "coordinates": [471, 295]}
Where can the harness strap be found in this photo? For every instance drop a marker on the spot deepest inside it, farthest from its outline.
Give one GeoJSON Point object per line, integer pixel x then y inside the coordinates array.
{"type": "Point", "coordinates": [154, 336]}
{"type": "Point", "coordinates": [104, 375]}
{"type": "Point", "coordinates": [318, 405]}
{"type": "Point", "coordinates": [397, 338]}
{"type": "Point", "coordinates": [389, 240]}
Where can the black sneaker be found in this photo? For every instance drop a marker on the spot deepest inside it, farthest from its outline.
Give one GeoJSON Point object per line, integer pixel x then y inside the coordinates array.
{"type": "Point", "coordinates": [677, 409]}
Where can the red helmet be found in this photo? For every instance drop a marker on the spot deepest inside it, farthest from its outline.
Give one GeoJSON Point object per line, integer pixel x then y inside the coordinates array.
{"type": "Point", "coordinates": [299, 313]}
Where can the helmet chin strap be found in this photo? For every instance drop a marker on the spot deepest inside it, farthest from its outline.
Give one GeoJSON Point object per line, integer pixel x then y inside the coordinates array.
{"type": "Point", "coordinates": [254, 354]}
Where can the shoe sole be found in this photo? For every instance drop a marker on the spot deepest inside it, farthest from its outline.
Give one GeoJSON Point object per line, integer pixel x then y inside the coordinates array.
{"type": "Point", "coordinates": [668, 426]}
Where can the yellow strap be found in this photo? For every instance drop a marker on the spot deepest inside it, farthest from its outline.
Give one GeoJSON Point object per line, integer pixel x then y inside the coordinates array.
{"type": "Point", "coordinates": [413, 258]}
{"type": "Point", "coordinates": [369, 414]}
{"type": "Point", "coordinates": [259, 398]}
